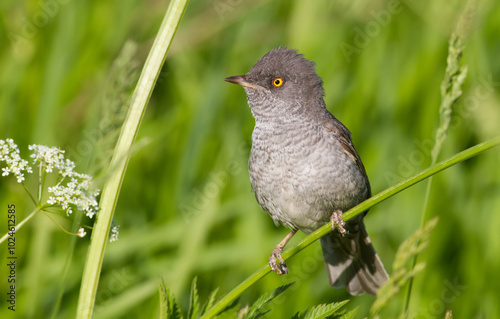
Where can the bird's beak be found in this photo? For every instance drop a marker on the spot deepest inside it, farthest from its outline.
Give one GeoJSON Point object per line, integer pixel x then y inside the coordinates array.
{"type": "Point", "coordinates": [241, 80]}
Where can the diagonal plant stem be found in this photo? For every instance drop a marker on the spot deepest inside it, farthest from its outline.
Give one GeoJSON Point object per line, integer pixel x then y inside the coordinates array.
{"type": "Point", "coordinates": [21, 224]}
{"type": "Point", "coordinates": [434, 169]}
{"type": "Point", "coordinates": [121, 156]}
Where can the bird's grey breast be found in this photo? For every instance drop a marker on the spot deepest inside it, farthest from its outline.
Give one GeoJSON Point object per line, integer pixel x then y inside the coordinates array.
{"type": "Point", "coordinates": [300, 174]}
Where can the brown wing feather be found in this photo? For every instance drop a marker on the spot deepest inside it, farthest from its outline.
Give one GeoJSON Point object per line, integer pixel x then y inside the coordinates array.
{"type": "Point", "coordinates": [343, 135]}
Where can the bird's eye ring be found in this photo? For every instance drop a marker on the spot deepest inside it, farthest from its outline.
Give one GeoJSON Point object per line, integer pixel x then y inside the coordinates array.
{"type": "Point", "coordinates": [277, 82]}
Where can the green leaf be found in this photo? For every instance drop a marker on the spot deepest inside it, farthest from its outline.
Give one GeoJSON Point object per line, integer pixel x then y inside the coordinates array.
{"type": "Point", "coordinates": [169, 309]}
{"type": "Point", "coordinates": [255, 309]}
{"type": "Point", "coordinates": [173, 311]}
{"type": "Point", "coordinates": [320, 311]}
{"type": "Point", "coordinates": [350, 314]}
{"type": "Point", "coordinates": [230, 312]}
{"type": "Point", "coordinates": [210, 302]}
{"type": "Point", "coordinates": [163, 298]}
{"type": "Point", "coordinates": [194, 302]}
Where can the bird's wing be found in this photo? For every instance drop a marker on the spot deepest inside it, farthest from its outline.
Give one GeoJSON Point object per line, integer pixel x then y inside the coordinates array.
{"type": "Point", "coordinates": [343, 135]}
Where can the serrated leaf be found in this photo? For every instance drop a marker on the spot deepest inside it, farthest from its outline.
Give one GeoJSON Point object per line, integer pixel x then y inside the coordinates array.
{"type": "Point", "coordinates": [320, 311]}
{"type": "Point", "coordinates": [169, 309]}
{"type": "Point", "coordinates": [174, 311]}
{"type": "Point", "coordinates": [324, 310]}
{"type": "Point", "coordinates": [350, 314]}
{"type": "Point", "coordinates": [254, 311]}
{"type": "Point", "coordinates": [163, 298]}
{"type": "Point", "coordinates": [194, 302]}
{"type": "Point", "coordinates": [211, 301]}
{"type": "Point", "coordinates": [230, 312]}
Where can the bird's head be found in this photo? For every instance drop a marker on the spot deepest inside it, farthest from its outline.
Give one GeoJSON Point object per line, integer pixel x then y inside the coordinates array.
{"type": "Point", "coordinates": [282, 81]}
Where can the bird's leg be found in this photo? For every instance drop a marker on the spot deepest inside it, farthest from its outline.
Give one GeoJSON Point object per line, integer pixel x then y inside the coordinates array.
{"type": "Point", "coordinates": [275, 260]}
{"type": "Point", "coordinates": [338, 221]}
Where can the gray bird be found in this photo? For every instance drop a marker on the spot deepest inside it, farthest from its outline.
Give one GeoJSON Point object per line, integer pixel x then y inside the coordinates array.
{"type": "Point", "coordinates": [304, 169]}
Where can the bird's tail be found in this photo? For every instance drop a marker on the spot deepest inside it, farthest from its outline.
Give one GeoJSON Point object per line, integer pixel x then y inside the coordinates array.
{"type": "Point", "coordinates": [352, 262]}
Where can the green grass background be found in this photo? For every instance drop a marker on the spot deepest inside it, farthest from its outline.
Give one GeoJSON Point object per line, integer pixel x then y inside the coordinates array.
{"type": "Point", "coordinates": [186, 208]}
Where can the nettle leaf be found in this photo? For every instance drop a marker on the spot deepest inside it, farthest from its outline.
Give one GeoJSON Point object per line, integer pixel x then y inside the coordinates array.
{"type": "Point", "coordinates": [211, 301]}
{"type": "Point", "coordinates": [194, 302]}
{"type": "Point", "coordinates": [320, 311]}
{"type": "Point", "coordinates": [169, 309]}
{"type": "Point", "coordinates": [163, 298]}
{"type": "Point", "coordinates": [350, 314]}
{"type": "Point", "coordinates": [255, 310]}
{"type": "Point", "coordinates": [232, 311]}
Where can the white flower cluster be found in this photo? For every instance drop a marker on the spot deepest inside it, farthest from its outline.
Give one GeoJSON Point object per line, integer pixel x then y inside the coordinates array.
{"type": "Point", "coordinates": [76, 192]}
{"type": "Point", "coordinates": [72, 189]}
{"type": "Point", "coordinates": [114, 233]}
{"type": "Point", "coordinates": [9, 153]}
{"type": "Point", "coordinates": [52, 157]}
{"type": "Point", "coordinates": [78, 189]}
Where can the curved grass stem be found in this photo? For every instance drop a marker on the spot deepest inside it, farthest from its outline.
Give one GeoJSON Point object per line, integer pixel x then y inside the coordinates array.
{"type": "Point", "coordinates": [434, 169]}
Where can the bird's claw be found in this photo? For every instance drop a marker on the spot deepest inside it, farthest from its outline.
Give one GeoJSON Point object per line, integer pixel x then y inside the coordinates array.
{"type": "Point", "coordinates": [338, 221]}
{"type": "Point", "coordinates": [277, 263]}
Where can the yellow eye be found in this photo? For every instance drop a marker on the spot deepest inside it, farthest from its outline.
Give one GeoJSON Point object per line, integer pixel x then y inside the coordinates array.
{"type": "Point", "coordinates": [277, 82]}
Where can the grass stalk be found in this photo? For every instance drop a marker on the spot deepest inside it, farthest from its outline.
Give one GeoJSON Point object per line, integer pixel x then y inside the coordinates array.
{"type": "Point", "coordinates": [451, 90]}
{"type": "Point", "coordinates": [121, 155]}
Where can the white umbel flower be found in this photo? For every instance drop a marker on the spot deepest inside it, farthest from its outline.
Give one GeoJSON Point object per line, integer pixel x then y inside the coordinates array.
{"type": "Point", "coordinates": [77, 190]}
{"type": "Point", "coordinates": [50, 158]}
{"type": "Point", "coordinates": [72, 189]}
{"type": "Point", "coordinates": [9, 153]}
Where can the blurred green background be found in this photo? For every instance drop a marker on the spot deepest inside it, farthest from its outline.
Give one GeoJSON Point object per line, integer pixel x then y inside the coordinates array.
{"type": "Point", "coordinates": [186, 208]}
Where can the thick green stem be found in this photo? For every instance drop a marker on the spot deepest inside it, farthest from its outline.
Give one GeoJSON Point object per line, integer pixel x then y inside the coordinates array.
{"type": "Point", "coordinates": [121, 156]}
{"type": "Point", "coordinates": [460, 157]}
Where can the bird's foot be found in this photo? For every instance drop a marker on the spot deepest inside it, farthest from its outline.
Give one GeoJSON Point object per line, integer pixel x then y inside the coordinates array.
{"type": "Point", "coordinates": [338, 221]}
{"type": "Point", "coordinates": [276, 262]}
